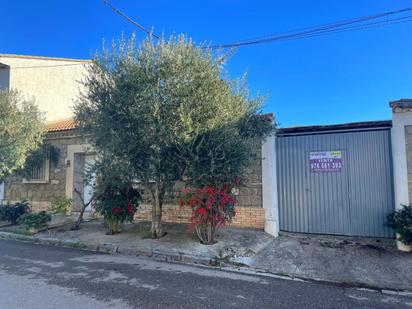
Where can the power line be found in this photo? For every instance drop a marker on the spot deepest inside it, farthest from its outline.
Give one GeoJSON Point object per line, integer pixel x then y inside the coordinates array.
{"type": "Point", "coordinates": [308, 30]}
{"type": "Point", "coordinates": [352, 28]}
{"type": "Point", "coordinates": [116, 10]}
{"type": "Point", "coordinates": [348, 25]}
{"type": "Point", "coordinates": [336, 24]}
{"type": "Point", "coordinates": [224, 58]}
{"type": "Point", "coordinates": [311, 31]}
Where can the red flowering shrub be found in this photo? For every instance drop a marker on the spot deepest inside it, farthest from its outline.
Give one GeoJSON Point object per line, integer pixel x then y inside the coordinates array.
{"type": "Point", "coordinates": [117, 205]}
{"type": "Point", "coordinates": [211, 209]}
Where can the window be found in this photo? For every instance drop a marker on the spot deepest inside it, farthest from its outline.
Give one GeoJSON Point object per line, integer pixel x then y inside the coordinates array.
{"type": "Point", "coordinates": [39, 173]}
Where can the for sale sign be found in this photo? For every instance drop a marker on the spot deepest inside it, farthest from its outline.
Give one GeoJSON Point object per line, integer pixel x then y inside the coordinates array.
{"type": "Point", "coordinates": [325, 161]}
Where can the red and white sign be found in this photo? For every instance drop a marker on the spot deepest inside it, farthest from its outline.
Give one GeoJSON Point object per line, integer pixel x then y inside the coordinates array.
{"type": "Point", "coordinates": [325, 161]}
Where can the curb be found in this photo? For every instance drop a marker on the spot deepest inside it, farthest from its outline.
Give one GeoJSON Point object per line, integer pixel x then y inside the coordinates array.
{"type": "Point", "coordinates": [197, 261]}
{"type": "Point", "coordinates": [111, 249]}
{"type": "Point", "coordinates": [349, 285]}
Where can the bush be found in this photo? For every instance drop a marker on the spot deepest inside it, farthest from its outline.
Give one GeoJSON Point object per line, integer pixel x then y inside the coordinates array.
{"type": "Point", "coordinates": [35, 221]}
{"type": "Point", "coordinates": [61, 205]}
{"type": "Point", "coordinates": [211, 209]}
{"type": "Point", "coordinates": [117, 205]}
{"type": "Point", "coordinates": [12, 212]}
{"type": "Point", "coordinates": [401, 222]}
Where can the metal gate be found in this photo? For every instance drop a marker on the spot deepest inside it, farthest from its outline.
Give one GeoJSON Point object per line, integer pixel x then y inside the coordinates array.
{"type": "Point", "coordinates": [335, 182]}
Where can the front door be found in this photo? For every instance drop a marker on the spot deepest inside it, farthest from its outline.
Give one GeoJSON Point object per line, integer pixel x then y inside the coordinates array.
{"type": "Point", "coordinates": [88, 187]}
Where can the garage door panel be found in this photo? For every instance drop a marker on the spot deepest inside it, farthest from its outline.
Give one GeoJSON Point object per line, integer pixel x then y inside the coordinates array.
{"type": "Point", "coordinates": [371, 191]}
{"type": "Point", "coordinates": [352, 201]}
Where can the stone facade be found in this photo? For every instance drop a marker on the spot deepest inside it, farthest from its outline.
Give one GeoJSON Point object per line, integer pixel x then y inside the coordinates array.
{"type": "Point", "coordinates": [250, 194]}
{"type": "Point", "coordinates": [249, 210]}
{"type": "Point", "coordinates": [41, 194]}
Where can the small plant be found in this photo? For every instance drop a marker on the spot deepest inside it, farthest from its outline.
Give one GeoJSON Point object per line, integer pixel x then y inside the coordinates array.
{"type": "Point", "coordinates": [12, 212]}
{"type": "Point", "coordinates": [35, 221]}
{"type": "Point", "coordinates": [61, 205]}
{"type": "Point", "coordinates": [211, 209]}
{"type": "Point", "coordinates": [401, 221]}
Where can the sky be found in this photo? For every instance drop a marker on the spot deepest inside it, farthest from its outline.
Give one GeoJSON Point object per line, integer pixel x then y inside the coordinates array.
{"type": "Point", "coordinates": [344, 77]}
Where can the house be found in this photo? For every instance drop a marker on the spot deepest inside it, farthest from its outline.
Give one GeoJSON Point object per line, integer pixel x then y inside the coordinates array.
{"type": "Point", "coordinates": [337, 179]}
{"type": "Point", "coordinates": [76, 153]}
{"type": "Point", "coordinates": [54, 84]}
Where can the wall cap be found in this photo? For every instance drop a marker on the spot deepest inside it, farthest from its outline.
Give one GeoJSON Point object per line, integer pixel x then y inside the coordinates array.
{"type": "Point", "coordinates": [401, 106]}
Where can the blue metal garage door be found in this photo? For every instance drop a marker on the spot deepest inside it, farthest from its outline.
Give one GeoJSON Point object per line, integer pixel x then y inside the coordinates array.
{"type": "Point", "coordinates": [336, 182]}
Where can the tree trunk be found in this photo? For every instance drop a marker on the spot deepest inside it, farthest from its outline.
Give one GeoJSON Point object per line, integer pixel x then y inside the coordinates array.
{"type": "Point", "coordinates": [156, 230]}
{"type": "Point", "coordinates": [76, 226]}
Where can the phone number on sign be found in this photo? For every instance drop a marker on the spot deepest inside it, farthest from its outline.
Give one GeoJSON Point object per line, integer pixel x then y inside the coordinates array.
{"type": "Point", "coordinates": [333, 165]}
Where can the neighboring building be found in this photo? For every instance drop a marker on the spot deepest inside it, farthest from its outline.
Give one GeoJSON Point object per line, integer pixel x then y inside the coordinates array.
{"type": "Point", "coordinates": [61, 179]}
{"type": "Point", "coordinates": [55, 180]}
{"type": "Point", "coordinates": [53, 82]}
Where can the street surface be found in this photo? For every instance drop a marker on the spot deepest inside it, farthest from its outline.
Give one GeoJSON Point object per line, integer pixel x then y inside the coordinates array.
{"type": "Point", "coordinates": [36, 276]}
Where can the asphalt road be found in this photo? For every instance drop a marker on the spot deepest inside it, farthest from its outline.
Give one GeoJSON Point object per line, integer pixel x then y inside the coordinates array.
{"type": "Point", "coordinates": [35, 276]}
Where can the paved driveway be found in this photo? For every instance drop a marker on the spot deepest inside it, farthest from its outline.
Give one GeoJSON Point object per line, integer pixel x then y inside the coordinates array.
{"type": "Point", "coordinates": [352, 260]}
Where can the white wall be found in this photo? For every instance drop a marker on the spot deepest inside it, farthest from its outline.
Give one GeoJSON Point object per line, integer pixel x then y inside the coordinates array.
{"type": "Point", "coordinates": [269, 186]}
{"type": "Point", "coordinates": [52, 82]}
{"type": "Point", "coordinates": [400, 170]}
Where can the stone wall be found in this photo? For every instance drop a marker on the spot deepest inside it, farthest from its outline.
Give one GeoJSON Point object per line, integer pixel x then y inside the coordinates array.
{"type": "Point", "coordinates": [249, 210]}
{"type": "Point", "coordinates": [250, 192]}
{"type": "Point", "coordinates": [41, 194]}
{"type": "Point", "coordinates": [408, 141]}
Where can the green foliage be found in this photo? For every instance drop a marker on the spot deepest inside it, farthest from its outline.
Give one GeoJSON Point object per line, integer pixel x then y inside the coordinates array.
{"type": "Point", "coordinates": [401, 222]}
{"type": "Point", "coordinates": [219, 156]}
{"type": "Point", "coordinates": [21, 131]}
{"type": "Point", "coordinates": [61, 205]}
{"type": "Point", "coordinates": [116, 198]}
{"type": "Point", "coordinates": [13, 212]}
{"type": "Point", "coordinates": [44, 151]}
{"type": "Point", "coordinates": [161, 107]}
{"type": "Point", "coordinates": [35, 221]}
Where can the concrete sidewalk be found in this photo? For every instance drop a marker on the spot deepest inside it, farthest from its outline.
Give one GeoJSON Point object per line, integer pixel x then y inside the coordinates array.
{"type": "Point", "coordinates": [179, 244]}
{"type": "Point", "coordinates": [352, 261]}
{"type": "Point", "coordinates": [360, 262]}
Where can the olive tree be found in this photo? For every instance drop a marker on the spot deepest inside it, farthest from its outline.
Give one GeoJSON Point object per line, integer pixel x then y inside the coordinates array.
{"type": "Point", "coordinates": [149, 105]}
{"type": "Point", "coordinates": [21, 131]}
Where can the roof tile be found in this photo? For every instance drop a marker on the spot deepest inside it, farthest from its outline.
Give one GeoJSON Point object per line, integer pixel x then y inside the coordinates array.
{"type": "Point", "coordinates": [61, 125]}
